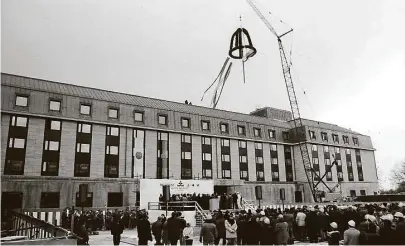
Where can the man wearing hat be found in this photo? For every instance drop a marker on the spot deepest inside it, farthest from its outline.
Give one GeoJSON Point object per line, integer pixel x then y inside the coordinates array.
{"type": "Point", "coordinates": [208, 232]}
{"type": "Point", "coordinates": [399, 234]}
{"type": "Point", "coordinates": [313, 228]}
{"type": "Point", "coordinates": [351, 236]}
{"type": "Point", "coordinates": [333, 234]}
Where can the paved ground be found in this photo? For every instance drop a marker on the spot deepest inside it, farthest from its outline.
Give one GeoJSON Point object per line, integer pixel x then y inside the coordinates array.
{"type": "Point", "coordinates": [129, 237]}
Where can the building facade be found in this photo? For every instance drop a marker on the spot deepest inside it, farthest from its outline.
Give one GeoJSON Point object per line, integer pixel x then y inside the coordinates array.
{"type": "Point", "coordinates": [56, 136]}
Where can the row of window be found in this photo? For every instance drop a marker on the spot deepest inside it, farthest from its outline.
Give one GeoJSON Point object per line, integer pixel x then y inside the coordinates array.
{"type": "Point", "coordinates": [335, 138]}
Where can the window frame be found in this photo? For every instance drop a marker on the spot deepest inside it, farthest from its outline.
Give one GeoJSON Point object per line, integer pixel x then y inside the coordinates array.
{"type": "Point", "coordinates": [185, 119]}
{"type": "Point", "coordinates": [286, 135]}
{"type": "Point", "coordinates": [56, 101]}
{"type": "Point", "coordinates": [335, 138]}
{"type": "Point", "coordinates": [243, 128]}
{"type": "Point", "coordinates": [46, 205]}
{"type": "Point", "coordinates": [258, 131]}
{"type": "Point", "coordinates": [208, 125]}
{"type": "Point", "coordinates": [111, 109]}
{"type": "Point", "coordinates": [226, 125]}
{"type": "Point", "coordinates": [272, 134]}
{"type": "Point", "coordinates": [324, 136]}
{"type": "Point", "coordinates": [14, 121]}
{"type": "Point", "coordinates": [164, 116]}
{"type": "Point", "coordinates": [138, 112]}
{"type": "Point", "coordinates": [355, 141]}
{"type": "Point", "coordinates": [22, 96]}
{"type": "Point", "coordinates": [85, 105]}
{"type": "Point", "coordinates": [312, 135]}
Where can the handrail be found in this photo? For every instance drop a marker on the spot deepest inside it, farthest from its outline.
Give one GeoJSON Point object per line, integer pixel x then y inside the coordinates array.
{"type": "Point", "coordinates": [200, 210]}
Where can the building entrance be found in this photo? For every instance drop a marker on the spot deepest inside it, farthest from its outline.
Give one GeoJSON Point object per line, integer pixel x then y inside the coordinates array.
{"type": "Point", "coordinates": [220, 189]}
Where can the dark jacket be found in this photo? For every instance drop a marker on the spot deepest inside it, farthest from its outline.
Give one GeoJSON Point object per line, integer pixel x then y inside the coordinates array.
{"type": "Point", "coordinates": [333, 238]}
{"type": "Point", "coordinates": [117, 225]}
{"type": "Point", "coordinates": [220, 223]}
{"type": "Point", "coordinates": [144, 230]}
{"type": "Point", "coordinates": [157, 228]}
{"type": "Point", "coordinates": [312, 221]}
{"type": "Point", "coordinates": [174, 228]}
{"type": "Point", "coordinates": [267, 235]}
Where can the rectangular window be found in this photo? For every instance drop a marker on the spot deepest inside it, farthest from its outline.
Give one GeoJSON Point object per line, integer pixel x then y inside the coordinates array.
{"type": "Point", "coordinates": [113, 113]}
{"type": "Point", "coordinates": [315, 161]}
{"type": "Point", "coordinates": [205, 125]}
{"type": "Point", "coordinates": [286, 135]}
{"type": "Point", "coordinates": [259, 159]}
{"type": "Point", "coordinates": [85, 109]}
{"type": "Point", "coordinates": [16, 143]}
{"type": "Point", "coordinates": [185, 138]}
{"type": "Point", "coordinates": [226, 174]}
{"type": "Point", "coordinates": [242, 158]}
{"type": "Point", "coordinates": [325, 149]}
{"type": "Point", "coordinates": [324, 136]}
{"type": "Point", "coordinates": [355, 141]}
{"type": "Point", "coordinates": [349, 164]}
{"type": "Point", "coordinates": [49, 168]}
{"type": "Point", "coordinates": [225, 142]}
{"type": "Point", "coordinates": [115, 199]}
{"type": "Point", "coordinates": [206, 140]}
{"type": "Point", "coordinates": [112, 131]}
{"type": "Point", "coordinates": [224, 128]}
{"type": "Point", "coordinates": [207, 157]}
{"type": "Point", "coordinates": [362, 192]}
{"type": "Point", "coordinates": [185, 122]}
{"type": "Point", "coordinates": [274, 161]}
{"type": "Point", "coordinates": [260, 175]}
{"type": "Point", "coordinates": [273, 147]}
{"type": "Point", "coordinates": [207, 173]}
{"type": "Point", "coordinates": [83, 148]}
{"type": "Point", "coordinates": [243, 174]}
{"type": "Point", "coordinates": [352, 193]}
{"type": "Point", "coordinates": [112, 150]}
{"type": "Point", "coordinates": [50, 199]}
{"type": "Point", "coordinates": [258, 146]}
{"type": "Point", "coordinates": [138, 116]}
{"type": "Point", "coordinates": [312, 134]}
{"type": "Point", "coordinates": [52, 145]}
{"type": "Point", "coordinates": [14, 167]}
{"type": "Point", "coordinates": [84, 128]}
{"type": "Point", "coordinates": [337, 150]}
{"type": "Point", "coordinates": [335, 138]}
{"type": "Point", "coordinates": [19, 121]}
{"type": "Point", "coordinates": [162, 119]}
{"type": "Point", "coordinates": [242, 144]}
{"type": "Point", "coordinates": [272, 134]}
{"type": "Point", "coordinates": [241, 130]}
{"type": "Point", "coordinates": [345, 139]}
{"type": "Point", "coordinates": [226, 158]}
{"type": "Point", "coordinates": [21, 101]}
{"type": "Point", "coordinates": [186, 155]}
{"type": "Point", "coordinates": [257, 132]}
{"type": "Point", "coordinates": [54, 105]}
{"type": "Point", "coordinates": [186, 173]}
{"type": "Point", "coordinates": [55, 125]}
{"type": "Point", "coordinates": [351, 177]}
{"type": "Point", "coordinates": [274, 176]}
{"type": "Point", "coordinates": [88, 203]}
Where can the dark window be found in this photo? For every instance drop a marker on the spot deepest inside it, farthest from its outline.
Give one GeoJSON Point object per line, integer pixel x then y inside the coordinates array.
{"type": "Point", "coordinates": [272, 134]}
{"type": "Point", "coordinates": [257, 132]}
{"type": "Point", "coordinates": [335, 138]}
{"type": "Point", "coordinates": [83, 149]}
{"type": "Point", "coordinates": [54, 105]}
{"type": "Point", "coordinates": [241, 130]}
{"type": "Point", "coordinates": [16, 146]}
{"type": "Point", "coordinates": [50, 168]}
{"type": "Point", "coordinates": [205, 125]}
{"type": "Point", "coordinates": [50, 199]}
{"type": "Point", "coordinates": [88, 203]}
{"type": "Point", "coordinates": [362, 192]}
{"type": "Point", "coordinates": [324, 136]}
{"type": "Point", "coordinates": [113, 113]}
{"type": "Point", "coordinates": [352, 193]}
{"type": "Point", "coordinates": [185, 122]}
{"type": "Point", "coordinates": [286, 135]}
{"type": "Point", "coordinates": [312, 135]}
{"type": "Point", "coordinates": [14, 167]}
{"type": "Point", "coordinates": [138, 116]}
{"type": "Point", "coordinates": [328, 170]}
{"type": "Point", "coordinates": [224, 128]}
{"type": "Point", "coordinates": [206, 158]}
{"type": "Point", "coordinates": [345, 139]}
{"type": "Point", "coordinates": [85, 109]}
{"type": "Point", "coordinates": [162, 119]}
{"type": "Point", "coordinates": [260, 175]}
{"type": "Point", "coordinates": [288, 163]}
{"type": "Point", "coordinates": [21, 101]}
{"type": "Point", "coordinates": [11, 200]}
{"type": "Point", "coordinates": [115, 199]}
{"type": "Point", "coordinates": [162, 155]}
{"type": "Point", "coordinates": [355, 141]}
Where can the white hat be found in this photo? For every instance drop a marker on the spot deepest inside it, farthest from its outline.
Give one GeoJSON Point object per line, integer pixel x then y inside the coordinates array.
{"type": "Point", "coordinates": [312, 209]}
{"type": "Point", "coordinates": [351, 223]}
{"type": "Point", "coordinates": [262, 213]}
{"type": "Point", "coordinates": [399, 215]}
{"type": "Point", "coordinates": [267, 221]}
{"type": "Point", "coordinates": [367, 217]}
{"type": "Point", "coordinates": [382, 206]}
{"type": "Point", "coordinates": [372, 218]}
{"type": "Point", "coordinates": [400, 205]}
{"type": "Point", "coordinates": [280, 216]}
{"type": "Point", "coordinates": [322, 210]}
{"type": "Point", "coordinates": [333, 225]}
{"type": "Point", "coordinates": [387, 217]}
{"type": "Point", "coordinates": [209, 217]}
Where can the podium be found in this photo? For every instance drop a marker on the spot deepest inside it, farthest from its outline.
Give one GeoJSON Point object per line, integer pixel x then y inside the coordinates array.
{"type": "Point", "coordinates": [214, 204]}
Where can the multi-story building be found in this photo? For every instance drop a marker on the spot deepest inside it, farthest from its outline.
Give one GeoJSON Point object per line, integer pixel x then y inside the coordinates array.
{"type": "Point", "coordinates": [56, 136]}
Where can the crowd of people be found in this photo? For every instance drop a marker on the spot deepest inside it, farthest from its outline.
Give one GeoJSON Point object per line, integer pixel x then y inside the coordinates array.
{"type": "Point", "coordinates": [371, 224]}
{"type": "Point", "coordinates": [226, 201]}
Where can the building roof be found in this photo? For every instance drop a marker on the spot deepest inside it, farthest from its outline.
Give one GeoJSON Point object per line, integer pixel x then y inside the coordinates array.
{"type": "Point", "coordinates": [118, 97]}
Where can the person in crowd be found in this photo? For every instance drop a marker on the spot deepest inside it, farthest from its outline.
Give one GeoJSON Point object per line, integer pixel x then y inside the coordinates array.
{"type": "Point", "coordinates": [289, 218]}
{"type": "Point", "coordinates": [351, 236]}
{"type": "Point", "coordinates": [157, 229]}
{"type": "Point", "coordinates": [333, 234]}
{"type": "Point", "coordinates": [323, 223]}
{"type": "Point", "coordinates": [300, 220]}
{"type": "Point", "coordinates": [165, 233]}
{"type": "Point", "coordinates": [399, 235]}
{"type": "Point", "coordinates": [241, 230]}
{"type": "Point", "coordinates": [81, 231]}
{"type": "Point", "coordinates": [188, 234]}
{"type": "Point", "coordinates": [386, 231]}
{"type": "Point", "coordinates": [312, 223]}
{"type": "Point", "coordinates": [231, 230]}
{"type": "Point", "coordinates": [208, 233]}
{"type": "Point", "coordinates": [117, 228]}
{"type": "Point", "coordinates": [220, 223]}
{"type": "Point", "coordinates": [143, 227]}
{"type": "Point", "coordinates": [174, 228]}
{"type": "Point", "coordinates": [267, 233]}
{"type": "Point", "coordinates": [281, 231]}
{"type": "Point", "coordinates": [252, 229]}
{"type": "Point", "coordinates": [183, 225]}
{"type": "Point", "coordinates": [235, 201]}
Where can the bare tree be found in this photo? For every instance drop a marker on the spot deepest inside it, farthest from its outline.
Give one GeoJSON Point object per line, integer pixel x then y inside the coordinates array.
{"type": "Point", "coordinates": [398, 173]}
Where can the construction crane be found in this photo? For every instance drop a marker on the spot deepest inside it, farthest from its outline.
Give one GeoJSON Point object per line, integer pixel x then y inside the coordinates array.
{"type": "Point", "coordinates": [311, 174]}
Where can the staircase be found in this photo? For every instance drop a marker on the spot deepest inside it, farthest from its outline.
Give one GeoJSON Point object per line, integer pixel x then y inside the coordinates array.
{"type": "Point", "coordinates": [200, 215]}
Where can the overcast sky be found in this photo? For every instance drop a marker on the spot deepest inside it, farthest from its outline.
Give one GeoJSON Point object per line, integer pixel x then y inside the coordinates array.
{"type": "Point", "coordinates": [348, 56]}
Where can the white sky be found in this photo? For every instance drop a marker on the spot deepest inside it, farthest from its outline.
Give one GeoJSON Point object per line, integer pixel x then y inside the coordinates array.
{"type": "Point", "coordinates": [349, 56]}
